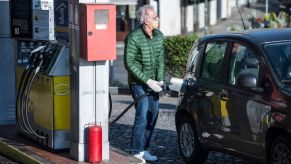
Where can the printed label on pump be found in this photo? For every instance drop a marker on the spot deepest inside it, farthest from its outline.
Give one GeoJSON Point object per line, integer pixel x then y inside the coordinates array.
{"type": "Point", "coordinates": [43, 4]}
{"type": "Point", "coordinates": [43, 25]}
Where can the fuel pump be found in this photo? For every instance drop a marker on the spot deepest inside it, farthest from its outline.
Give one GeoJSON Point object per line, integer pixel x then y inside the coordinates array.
{"type": "Point", "coordinates": [43, 96]}
{"type": "Point", "coordinates": [40, 28]}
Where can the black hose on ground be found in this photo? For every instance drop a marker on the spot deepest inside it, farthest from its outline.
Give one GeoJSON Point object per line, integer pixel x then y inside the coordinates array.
{"type": "Point", "coordinates": [128, 107]}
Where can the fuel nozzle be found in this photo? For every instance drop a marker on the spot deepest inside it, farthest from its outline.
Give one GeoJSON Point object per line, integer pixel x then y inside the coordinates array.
{"type": "Point", "coordinates": [37, 50]}
{"type": "Point", "coordinates": [177, 84]}
{"type": "Point", "coordinates": [173, 84]}
{"type": "Point", "coordinates": [34, 53]}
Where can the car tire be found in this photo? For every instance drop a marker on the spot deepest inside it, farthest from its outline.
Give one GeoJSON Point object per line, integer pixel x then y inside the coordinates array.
{"type": "Point", "coordinates": [188, 142]}
{"type": "Point", "coordinates": [280, 151]}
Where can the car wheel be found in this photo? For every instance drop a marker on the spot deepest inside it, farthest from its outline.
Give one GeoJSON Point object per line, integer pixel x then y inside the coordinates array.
{"type": "Point", "coordinates": [188, 142]}
{"type": "Point", "coordinates": [280, 151]}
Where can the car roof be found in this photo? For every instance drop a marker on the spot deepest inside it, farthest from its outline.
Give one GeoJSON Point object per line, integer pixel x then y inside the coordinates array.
{"type": "Point", "coordinates": [261, 36]}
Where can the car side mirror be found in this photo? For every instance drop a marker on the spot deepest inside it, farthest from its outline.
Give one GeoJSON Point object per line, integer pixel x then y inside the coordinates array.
{"type": "Point", "coordinates": [249, 80]}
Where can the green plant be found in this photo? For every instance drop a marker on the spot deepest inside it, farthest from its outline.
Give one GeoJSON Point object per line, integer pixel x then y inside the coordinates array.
{"type": "Point", "coordinates": [176, 50]}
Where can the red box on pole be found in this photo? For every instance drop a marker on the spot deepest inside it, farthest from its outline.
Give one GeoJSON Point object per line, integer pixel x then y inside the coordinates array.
{"type": "Point", "coordinates": [97, 31]}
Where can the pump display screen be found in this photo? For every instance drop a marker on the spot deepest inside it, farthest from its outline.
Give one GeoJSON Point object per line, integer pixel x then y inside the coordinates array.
{"type": "Point", "coordinates": [21, 22]}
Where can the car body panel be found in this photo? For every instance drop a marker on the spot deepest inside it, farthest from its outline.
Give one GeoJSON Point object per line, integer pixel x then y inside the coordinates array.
{"type": "Point", "coordinates": [230, 117]}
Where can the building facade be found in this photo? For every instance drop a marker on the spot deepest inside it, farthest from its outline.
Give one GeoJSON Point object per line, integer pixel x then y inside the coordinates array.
{"type": "Point", "coordinates": [176, 16]}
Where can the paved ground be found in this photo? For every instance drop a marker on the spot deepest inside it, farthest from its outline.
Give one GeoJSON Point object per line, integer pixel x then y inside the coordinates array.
{"type": "Point", "coordinates": [5, 160]}
{"type": "Point", "coordinates": [164, 140]}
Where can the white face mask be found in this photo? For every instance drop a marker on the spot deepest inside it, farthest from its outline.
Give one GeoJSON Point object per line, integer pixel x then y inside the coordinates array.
{"type": "Point", "coordinates": [155, 24]}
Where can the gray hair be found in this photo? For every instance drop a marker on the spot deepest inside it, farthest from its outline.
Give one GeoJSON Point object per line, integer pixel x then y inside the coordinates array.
{"type": "Point", "coordinates": [141, 13]}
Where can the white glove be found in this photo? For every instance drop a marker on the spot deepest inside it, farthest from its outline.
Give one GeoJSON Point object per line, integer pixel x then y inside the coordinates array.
{"type": "Point", "coordinates": [161, 83]}
{"type": "Point", "coordinates": [154, 85]}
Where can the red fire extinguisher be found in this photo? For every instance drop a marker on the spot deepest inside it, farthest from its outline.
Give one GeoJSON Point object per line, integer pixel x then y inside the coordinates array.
{"type": "Point", "coordinates": [94, 143]}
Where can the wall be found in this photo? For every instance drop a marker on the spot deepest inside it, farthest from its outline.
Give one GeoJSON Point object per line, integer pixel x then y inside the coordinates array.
{"type": "Point", "coordinates": [170, 17]}
{"type": "Point", "coordinates": [201, 15]}
{"type": "Point", "coordinates": [170, 14]}
{"type": "Point", "coordinates": [224, 9]}
{"type": "Point", "coordinates": [7, 67]}
{"type": "Point", "coordinates": [213, 12]}
{"type": "Point", "coordinates": [189, 19]}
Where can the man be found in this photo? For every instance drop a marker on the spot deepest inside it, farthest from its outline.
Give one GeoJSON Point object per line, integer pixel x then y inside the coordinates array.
{"type": "Point", "coordinates": [235, 62]}
{"type": "Point", "coordinates": [213, 60]}
{"type": "Point", "coordinates": [144, 61]}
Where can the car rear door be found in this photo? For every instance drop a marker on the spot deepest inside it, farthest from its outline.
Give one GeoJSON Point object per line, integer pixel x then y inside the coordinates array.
{"type": "Point", "coordinates": [243, 107]}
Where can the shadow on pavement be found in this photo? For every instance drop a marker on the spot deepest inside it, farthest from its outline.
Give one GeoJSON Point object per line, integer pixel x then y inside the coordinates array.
{"type": "Point", "coordinates": [163, 144]}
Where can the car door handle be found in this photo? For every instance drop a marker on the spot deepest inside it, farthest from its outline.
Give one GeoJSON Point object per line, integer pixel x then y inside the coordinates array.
{"type": "Point", "coordinates": [224, 96]}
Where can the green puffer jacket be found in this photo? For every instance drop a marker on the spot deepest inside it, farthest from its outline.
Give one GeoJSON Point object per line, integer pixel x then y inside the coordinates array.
{"type": "Point", "coordinates": [144, 57]}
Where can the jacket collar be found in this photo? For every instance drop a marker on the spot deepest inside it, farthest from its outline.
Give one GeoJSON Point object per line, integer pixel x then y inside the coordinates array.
{"type": "Point", "coordinates": [145, 32]}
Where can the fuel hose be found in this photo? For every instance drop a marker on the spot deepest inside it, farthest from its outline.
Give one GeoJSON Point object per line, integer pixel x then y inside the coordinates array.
{"type": "Point", "coordinates": [19, 99]}
{"type": "Point", "coordinates": [27, 96]}
{"type": "Point", "coordinates": [22, 86]}
{"type": "Point", "coordinates": [128, 107]}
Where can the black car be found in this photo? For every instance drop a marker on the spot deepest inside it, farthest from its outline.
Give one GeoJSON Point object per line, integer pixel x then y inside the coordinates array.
{"type": "Point", "coordinates": [238, 97]}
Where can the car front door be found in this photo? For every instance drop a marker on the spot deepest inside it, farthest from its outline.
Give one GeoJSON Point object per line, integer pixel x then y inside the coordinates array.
{"type": "Point", "coordinates": [210, 85]}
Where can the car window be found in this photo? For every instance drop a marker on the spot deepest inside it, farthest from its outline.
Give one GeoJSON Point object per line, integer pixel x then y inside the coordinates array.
{"type": "Point", "coordinates": [212, 60]}
{"type": "Point", "coordinates": [193, 58]}
{"type": "Point", "coordinates": [242, 60]}
{"type": "Point", "coordinates": [279, 55]}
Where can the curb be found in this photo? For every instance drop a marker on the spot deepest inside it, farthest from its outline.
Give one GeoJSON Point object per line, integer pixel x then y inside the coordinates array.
{"type": "Point", "coordinates": [131, 158]}
{"type": "Point", "coordinates": [15, 154]}
{"type": "Point", "coordinates": [11, 151]}
{"type": "Point", "coordinates": [119, 91]}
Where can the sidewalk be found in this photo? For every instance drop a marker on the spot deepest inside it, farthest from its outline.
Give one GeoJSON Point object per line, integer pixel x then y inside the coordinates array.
{"type": "Point", "coordinates": [23, 150]}
{"type": "Point", "coordinates": [234, 21]}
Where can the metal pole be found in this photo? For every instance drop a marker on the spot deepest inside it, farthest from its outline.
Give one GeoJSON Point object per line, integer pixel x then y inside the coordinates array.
{"type": "Point", "coordinates": [206, 15]}
{"type": "Point", "coordinates": [158, 8]}
{"type": "Point", "coordinates": [195, 16]}
{"type": "Point", "coordinates": [267, 6]}
{"type": "Point", "coordinates": [183, 17]}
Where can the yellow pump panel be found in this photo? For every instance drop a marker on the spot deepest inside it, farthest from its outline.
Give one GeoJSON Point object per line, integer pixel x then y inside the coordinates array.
{"type": "Point", "coordinates": [61, 102]}
{"type": "Point", "coordinates": [50, 102]}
